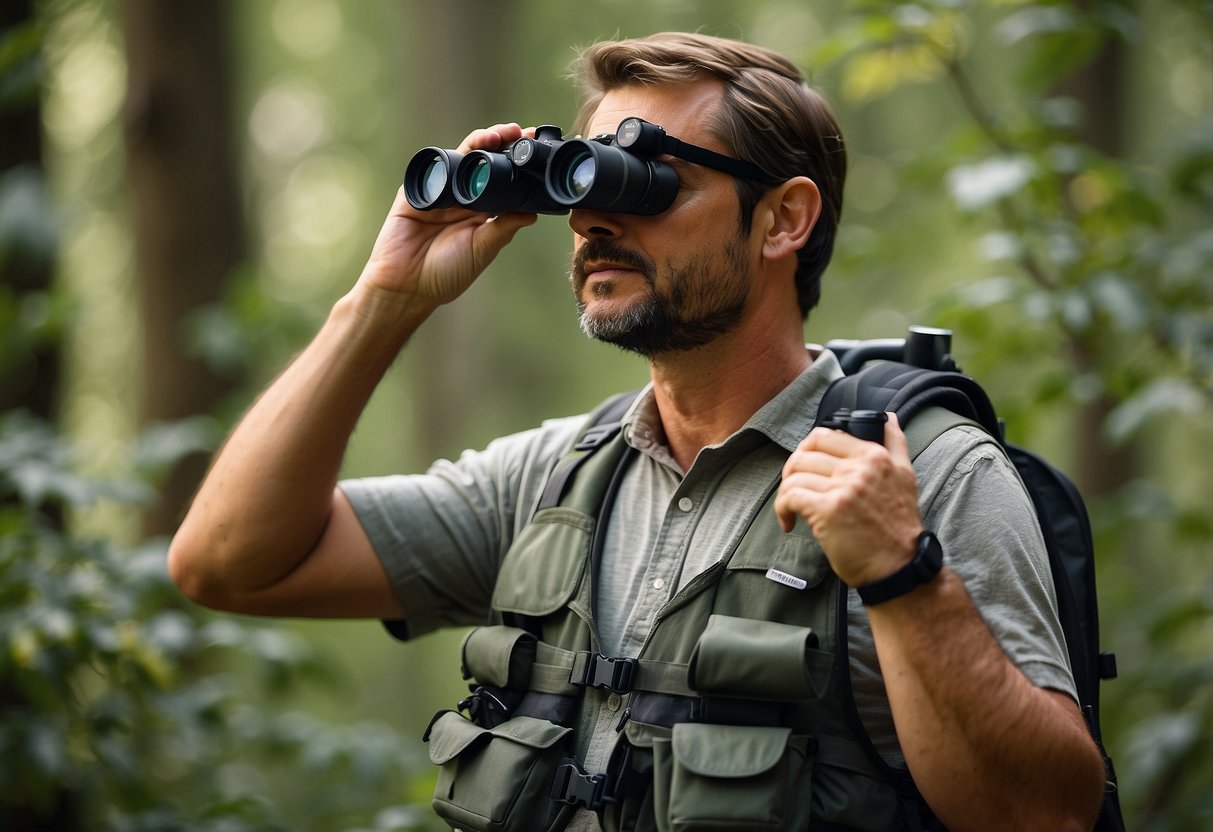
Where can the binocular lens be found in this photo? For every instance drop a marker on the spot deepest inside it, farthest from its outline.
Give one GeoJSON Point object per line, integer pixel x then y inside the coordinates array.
{"type": "Point", "coordinates": [478, 177]}
{"type": "Point", "coordinates": [427, 178]}
{"type": "Point", "coordinates": [582, 170]}
{"type": "Point", "coordinates": [433, 180]}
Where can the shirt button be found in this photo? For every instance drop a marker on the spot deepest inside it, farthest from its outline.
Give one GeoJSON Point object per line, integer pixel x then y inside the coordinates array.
{"type": "Point", "coordinates": [614, 701]}
{"type": "Point", "coordinates": [659, 584]}
{"type": "Point", "coordinates": [686, 504]}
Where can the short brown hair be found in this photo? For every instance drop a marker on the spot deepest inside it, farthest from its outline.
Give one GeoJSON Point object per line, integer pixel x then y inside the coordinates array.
{"type": "Point", "coordinates": [771, 117]}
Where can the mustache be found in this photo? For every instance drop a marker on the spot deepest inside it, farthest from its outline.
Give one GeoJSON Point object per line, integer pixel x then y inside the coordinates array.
{"type": "Point", "coordinates": [601, 249]}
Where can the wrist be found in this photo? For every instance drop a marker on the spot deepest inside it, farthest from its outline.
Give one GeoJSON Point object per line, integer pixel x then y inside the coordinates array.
{"type": "Point", "coordinates": [384, 315]}
{"type": "Point", "coordinates": [922, 568]}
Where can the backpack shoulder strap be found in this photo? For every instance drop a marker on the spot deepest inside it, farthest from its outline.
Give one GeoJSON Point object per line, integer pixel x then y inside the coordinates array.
{"type": "Point", "coordinates": [600, 427]}
{"type": "Point", "coordinates": [907, 390]}
{"type": "Point", "coordinates": [928, 403]}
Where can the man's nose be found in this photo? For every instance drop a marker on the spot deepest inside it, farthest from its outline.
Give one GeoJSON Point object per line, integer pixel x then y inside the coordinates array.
{"type": "Point", "coordinates": [591, 224]}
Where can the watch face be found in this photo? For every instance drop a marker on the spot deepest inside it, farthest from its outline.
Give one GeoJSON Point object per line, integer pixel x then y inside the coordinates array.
{"type": "Point", "coordinates": [930, 550]}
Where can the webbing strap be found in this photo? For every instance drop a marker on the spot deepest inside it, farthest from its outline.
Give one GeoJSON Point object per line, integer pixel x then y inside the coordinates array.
{"type": "Point", "coordinates": [556, 669]}
{"type": "Point", "coordinates": [602, 424]}
{"type": "Point", "coordinates": [929, 425]}
{"type": "Point", "coordinates": [843, 753]}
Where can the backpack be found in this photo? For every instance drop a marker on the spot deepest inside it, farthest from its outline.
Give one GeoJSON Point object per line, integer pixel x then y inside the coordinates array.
{"type": "Point", "coordinates": [910, 376]}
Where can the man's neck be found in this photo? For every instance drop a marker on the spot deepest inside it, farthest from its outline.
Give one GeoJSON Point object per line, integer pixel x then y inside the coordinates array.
{"type": "Point", "coordinates": [705, 395]}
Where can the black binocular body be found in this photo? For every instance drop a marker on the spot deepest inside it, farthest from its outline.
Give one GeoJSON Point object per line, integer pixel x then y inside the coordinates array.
{"type": "Point", "coordinates": [862, 424]}
{"type": "Point", "coordinates": [548, 174]}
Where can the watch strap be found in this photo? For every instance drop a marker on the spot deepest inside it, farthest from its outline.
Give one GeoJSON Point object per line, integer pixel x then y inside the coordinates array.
{"type": "Point", "coordinates": [922, 568]}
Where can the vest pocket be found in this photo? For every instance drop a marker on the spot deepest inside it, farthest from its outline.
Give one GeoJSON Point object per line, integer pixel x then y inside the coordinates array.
{"type": "Point", "coordinates": [707, 778]}
{"type": "Point", "coordinates": [543, 569]}
{"type": "Point", "coordinates": [498, 656]}
{"type": "Point", "coordinates": [748, 658]}
{"type": "Point", "coordinates": [494, 779]}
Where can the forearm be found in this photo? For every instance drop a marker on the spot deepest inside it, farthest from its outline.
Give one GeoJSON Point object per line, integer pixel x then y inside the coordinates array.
{"type": "Point", "coordinates": [266, 501]}
{"type": "Point", "coordinates": [988, 749]}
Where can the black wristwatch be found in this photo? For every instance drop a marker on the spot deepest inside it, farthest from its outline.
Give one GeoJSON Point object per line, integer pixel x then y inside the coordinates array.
{"type": "Point", "coordinates": [928, 560]}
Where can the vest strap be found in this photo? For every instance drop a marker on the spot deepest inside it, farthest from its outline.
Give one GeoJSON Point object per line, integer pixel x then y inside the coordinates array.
{"type": "Point", "coordinates": [595, 670]}
{"type": "Point", "coordinates": [556, 670]}
{"type": "Point", "coordinates": [666, 710]}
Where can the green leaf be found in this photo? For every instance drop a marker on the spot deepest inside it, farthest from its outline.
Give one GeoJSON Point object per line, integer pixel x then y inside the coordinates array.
{"type": "Point", "coordinates": [977, 186]}
{"type": "Point", "coordinates": [159, 447]}
{"type": "Point", "coordinates": [1160, 397]}
{"type": "Point", "coordinates": [29, 223]}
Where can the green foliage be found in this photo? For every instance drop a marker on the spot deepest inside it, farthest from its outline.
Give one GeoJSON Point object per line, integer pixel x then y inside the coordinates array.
{"type": "Point", "coordinates": [123, 710]}
{"type": "Point", "coordinates": [1096, 292]}
{"type": "Point", "coordinates": [21, 65]}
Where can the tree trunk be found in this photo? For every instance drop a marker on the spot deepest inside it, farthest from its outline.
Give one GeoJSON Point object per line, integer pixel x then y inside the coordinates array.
{"type": "Point", "coordinates": [187, 219]}
{"type": "Point", "coordinates": [29, 375]}
{"type": "Point", "coordinates": [1101, 89]}
{"type": "Point", "coordinates": [459, 61]}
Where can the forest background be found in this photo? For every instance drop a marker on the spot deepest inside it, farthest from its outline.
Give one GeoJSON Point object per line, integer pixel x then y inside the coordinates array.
{"type": "Point", "coordinates": [186, 188]}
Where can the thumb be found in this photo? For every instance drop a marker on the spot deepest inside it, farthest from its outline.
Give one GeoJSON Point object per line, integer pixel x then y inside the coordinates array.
{"type": "Point", "coordinates": [894, 437]}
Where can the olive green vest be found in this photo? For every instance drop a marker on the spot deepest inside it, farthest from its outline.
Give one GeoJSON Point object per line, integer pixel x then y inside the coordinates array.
{"type": "Point", "coordinates": [733, 717]}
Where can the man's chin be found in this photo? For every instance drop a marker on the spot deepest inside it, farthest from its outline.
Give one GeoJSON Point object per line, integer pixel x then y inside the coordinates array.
{"type": "Point", "coordinates": [625, 329]}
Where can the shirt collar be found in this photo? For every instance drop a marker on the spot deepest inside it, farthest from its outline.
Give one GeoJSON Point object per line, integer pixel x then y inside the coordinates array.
{"type": "Point", "coordinates": [785, 420]}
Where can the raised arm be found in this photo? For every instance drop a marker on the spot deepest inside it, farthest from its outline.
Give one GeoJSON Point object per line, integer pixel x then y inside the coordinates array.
{"type": "Point", "coordinates": [268, 532]}
{"type": "Point", "coordinates": [988, 749]}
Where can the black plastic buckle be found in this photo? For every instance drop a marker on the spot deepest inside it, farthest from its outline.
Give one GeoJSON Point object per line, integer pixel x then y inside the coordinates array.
{"type": "Point", "coordinates": [573, 786]}
{"type": "Point", "coordinates": [484, 707]}
{"type": "Point", "coordinates": [608, 673]}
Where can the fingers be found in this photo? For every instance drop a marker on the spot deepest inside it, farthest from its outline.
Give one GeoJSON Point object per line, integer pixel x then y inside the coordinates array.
{"type": "Point", "coordinates": [489, 238]}
{"type": "Point", "coordinates": [895, 439]}
{"type": "Point", "coordinates": [492, 138]}
{"type": "Point", "coordinates": [798, 496]}
{"type": "Point", "coordinates": [834, 461]}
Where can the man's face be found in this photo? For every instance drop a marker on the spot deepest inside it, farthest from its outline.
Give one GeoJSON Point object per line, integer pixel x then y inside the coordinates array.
{"type": "Point", "coordinates": [676, 280]}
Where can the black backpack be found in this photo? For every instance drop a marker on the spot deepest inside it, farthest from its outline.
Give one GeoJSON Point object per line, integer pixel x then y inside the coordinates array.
{"type": "Point", "coordinates": [908, 376]}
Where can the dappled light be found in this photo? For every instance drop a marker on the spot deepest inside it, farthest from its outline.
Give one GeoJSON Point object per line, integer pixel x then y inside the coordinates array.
{"type": "Point", "coordinates": [1073, 265]}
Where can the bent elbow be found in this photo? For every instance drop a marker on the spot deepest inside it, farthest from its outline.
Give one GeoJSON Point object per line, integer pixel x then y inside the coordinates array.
{"type": "Point", "coordinates": [189, 570]}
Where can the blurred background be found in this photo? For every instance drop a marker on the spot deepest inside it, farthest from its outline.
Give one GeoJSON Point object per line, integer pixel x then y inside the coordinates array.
{"type": "Point", "coordinates": [186, 188]}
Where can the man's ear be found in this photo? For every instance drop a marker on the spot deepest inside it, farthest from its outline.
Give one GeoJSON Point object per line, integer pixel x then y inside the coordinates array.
{"type": "Point", "coordinates": [794, 207]}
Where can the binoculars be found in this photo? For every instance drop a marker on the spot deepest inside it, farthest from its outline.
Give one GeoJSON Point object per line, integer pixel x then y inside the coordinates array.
{"type": "Point", "coordinates": [548, 174]}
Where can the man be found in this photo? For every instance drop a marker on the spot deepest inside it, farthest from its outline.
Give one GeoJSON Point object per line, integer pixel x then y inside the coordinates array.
{"type": "Point", "coordinates": [962, 676]}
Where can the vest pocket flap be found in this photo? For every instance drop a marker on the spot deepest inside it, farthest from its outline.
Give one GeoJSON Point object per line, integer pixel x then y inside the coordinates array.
{"type": "Point", "coordinates": [798, 558]}
{"type": "Point", "coordinates": [543, 568]}
{"type": "Point", "coordinates": [449, 735]}
{"type": "Point", "coordinates": [498, 656]}
{"type": "Point", "coordinates": [533, 733]}
{"type": "Point", "coordinates": [728, 751]}
{"type": "Point", "coordinates": [750, 658]}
